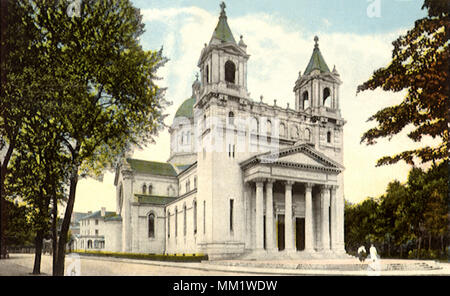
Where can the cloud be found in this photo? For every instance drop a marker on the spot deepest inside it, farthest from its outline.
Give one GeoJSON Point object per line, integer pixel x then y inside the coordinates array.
{"type": "Point", "coordinates": [278, 52]}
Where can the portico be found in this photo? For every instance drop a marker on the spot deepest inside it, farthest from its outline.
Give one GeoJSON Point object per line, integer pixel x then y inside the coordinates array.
{"type": "Point", "coordinates": [291, 203]}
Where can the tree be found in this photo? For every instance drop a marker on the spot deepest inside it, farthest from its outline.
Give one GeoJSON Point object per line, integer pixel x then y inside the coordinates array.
{"type": "Point", "coordinates": [19, 77]}
{"type": "Point", "coordinates": [110, 101]}
{"type": "Point", "coordinates": [37, 174]}
{"type": "Point", "coordinates": [420, 66]}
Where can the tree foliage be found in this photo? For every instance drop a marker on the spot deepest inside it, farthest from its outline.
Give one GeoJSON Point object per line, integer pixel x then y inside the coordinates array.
{"type": "Point", "coordinates": [420, 65]}
{"type": "Point", "coordinates": [99, 94]}
{"type": "Point", "coordinates": [404, 216]}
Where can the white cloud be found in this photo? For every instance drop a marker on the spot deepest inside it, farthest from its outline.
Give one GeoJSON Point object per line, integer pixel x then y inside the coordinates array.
{"type": "Point", "coordinates": [278, 53]}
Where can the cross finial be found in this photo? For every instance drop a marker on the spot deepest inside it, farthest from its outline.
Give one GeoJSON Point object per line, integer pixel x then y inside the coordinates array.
{"type": "Point", "coordinates": [316, 41]}
{"type": "Point", "coordinates": [222, 6]}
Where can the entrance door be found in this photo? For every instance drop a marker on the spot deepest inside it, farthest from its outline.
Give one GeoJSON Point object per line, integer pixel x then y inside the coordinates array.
{"type": "Point", "coordinates": [300, 233]}
{"type": "Point", "coordinates": [280, 232]}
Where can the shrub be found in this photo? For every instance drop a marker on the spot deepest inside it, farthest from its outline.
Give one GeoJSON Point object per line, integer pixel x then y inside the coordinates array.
{"type": "Point", "coordinates": [155, 257]}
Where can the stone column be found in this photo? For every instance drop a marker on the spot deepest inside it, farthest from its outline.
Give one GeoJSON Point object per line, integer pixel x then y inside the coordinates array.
{"type": "Point", "coordinates": [270, 243]}
{"type": "Point", "coordinates": [288, 229]}
{"type": "Point", "coordinates": [309, 235]}
{"type": "Point", "coordinates": [259, 226]}
{"type": "Point", "coordinates": [324, 205]}
{"type": "Point", "coordinates": [334, 218]}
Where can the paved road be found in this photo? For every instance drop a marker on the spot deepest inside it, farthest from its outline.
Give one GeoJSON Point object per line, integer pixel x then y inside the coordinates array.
{"type": "Point", "coordinates": [22, 264]}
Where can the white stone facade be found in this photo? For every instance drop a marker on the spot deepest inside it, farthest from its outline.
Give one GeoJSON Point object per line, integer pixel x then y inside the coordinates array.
{"type": "Point", "coordinates": [244, 177]}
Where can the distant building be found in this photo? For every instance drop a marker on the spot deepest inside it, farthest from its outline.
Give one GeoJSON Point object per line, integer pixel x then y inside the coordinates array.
{"type": "Point", "coordinates": [99, 230]}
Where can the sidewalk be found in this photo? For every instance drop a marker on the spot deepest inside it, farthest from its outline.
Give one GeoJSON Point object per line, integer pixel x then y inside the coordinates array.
{"type": "Point", "coordinates": [9, 268]}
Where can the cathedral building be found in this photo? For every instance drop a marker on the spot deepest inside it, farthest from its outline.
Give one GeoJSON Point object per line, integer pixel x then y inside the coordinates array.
{"type": "Point", "coordinates": [244, 178]}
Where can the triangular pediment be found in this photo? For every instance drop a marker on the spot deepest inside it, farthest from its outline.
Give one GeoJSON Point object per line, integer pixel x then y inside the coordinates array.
{"type": "Point", "coordinates": [301, 156]}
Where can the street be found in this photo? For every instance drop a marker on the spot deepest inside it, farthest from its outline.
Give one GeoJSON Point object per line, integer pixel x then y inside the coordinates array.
{"type": "Point", "coordinates": [22, 264]}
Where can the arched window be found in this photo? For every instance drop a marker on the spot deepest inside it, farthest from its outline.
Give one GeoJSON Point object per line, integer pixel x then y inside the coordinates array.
{"type": "Point", "coordinates": [254, 125]}
{"type": "Point", "coordinates": [231, 118]}
{"type": "Point", "coordinates": [294, 132]}
{"type": "Point", "coordinates": [170, 191]}
{"type": "Point", "coordinates": [150, 188]}
{"type": "Point", "coordinates": [305, 100]}
{"type": "Point", "coordinates": [326, 97]}
{"type": "Point", "coordinates": [194, 205]}
{"type": "Point", "coordinates": [151, 225]}
{"type": "Point", "coordinates": [328, 137]}
{"type": "Point", "coordinates": [204, 122]}
{"type": "Point", "coordinates": [307, 135]}
{"type": "Point", "coordinates": [282, 130]}
{"type": "Point", "coordinates": [195, 182]}
{"type": "Point", "coordinates": [188, 186]}
{"type": "Point", "coordinates": [269, 127]}
{"type": "Point", "coordinates": [176, 222]}
{"type": "Point", "coordinates": [207, 74]}
{"type": "Point", "coordinates": [184, 220]}
{"type": "Point", "coordinates": [89, 244]}
{"type": "Point", "coordinates": [230, 71]}
{"type": "Point", "coordinates": [144, 189]}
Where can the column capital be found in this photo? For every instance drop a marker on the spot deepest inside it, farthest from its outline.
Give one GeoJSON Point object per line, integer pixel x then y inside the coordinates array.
{"type": "Point", "coordinates": [259, 181]}
{"type": "Point", "coordinates": [327, 186]}
{"type": "Point", "coordinates": [270, 181]}
{"type": "Point", "coordinates": [334, 187]}
{"type": "Point", "coordinates": [289, 183]}
{"type": "Point", "coordinates": [309, 185]}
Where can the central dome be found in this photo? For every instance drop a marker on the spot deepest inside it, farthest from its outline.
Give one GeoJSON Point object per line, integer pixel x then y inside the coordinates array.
{"type": "Point", "coordinates": [186, 109]}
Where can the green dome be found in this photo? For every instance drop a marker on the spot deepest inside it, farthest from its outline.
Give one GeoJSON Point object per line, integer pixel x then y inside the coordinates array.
{"type": "Point", "coordinates": [186, 109]}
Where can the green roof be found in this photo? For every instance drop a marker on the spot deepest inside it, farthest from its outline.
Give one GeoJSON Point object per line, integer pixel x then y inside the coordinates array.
{"type": "Point", "coordinates": [317, 62]}
{"type": "Point", "coordinates": [152, 167]}
{"type": "Point", "coordinates": [98, 214]}
{"type": "Point", "coordinates": [154, 199]}
{"type": "Point", "coordinates": [186, 109]}
{"type": "Point", "coordinates": [223, 31]}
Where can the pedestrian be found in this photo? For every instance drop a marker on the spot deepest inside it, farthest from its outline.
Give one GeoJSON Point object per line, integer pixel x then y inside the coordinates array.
{"type": "Point", "coordinates": [362, 253]}
{"type": "Point", "coordinates": [373, 253]}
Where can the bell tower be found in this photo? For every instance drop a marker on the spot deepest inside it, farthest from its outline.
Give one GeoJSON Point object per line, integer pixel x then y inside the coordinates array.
{"type": "Point", "coordinates": [223, 62]}
{"type": "Point", "coordinates": [317, 90]}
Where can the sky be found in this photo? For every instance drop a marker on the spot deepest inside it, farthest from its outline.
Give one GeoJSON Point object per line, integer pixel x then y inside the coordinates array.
{"type": "Point", "coordinates": [354, 35]}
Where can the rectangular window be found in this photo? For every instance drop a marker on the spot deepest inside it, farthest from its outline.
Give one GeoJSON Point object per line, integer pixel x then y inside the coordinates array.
{"type": "Point", "coordinates": [204, 216]}
{"type": "Point", "coordinates": [168, 224]}
{"type": "Point", "coordinates": [96, 232]}
{"type": "Point", "coordinates": [231, 214]}
{"type": "Point", "coordinates": [96, 221]}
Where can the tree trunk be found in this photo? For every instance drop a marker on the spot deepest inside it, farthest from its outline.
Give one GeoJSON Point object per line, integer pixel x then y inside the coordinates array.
{"type": "Point", "coordinates": [59, 271]}
{"type": "Point", "coordinates": [401, 251]}
{"type": "Point", "coordinates": [429, 242]}
{"type": "Point", "coordinates": [3, 211]}
{"type": "Point", "coordinates": [419, 244]}
{"type": "Point", "coordinates": [54, 232]}
{"type": "Point", "coordinates": [38, 243]}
